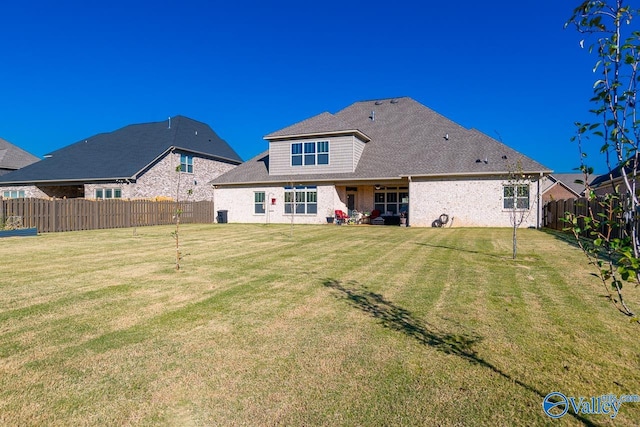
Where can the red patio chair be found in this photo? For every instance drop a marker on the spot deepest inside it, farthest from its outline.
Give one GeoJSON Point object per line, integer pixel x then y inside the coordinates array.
{"type": "Point", "coordinates": [341, 217]}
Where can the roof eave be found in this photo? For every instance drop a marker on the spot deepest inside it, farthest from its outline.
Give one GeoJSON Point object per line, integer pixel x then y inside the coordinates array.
{"type": "Point", "coordinates": [471, 174]}
{"type": "Point", "coordinates": [202, 153]}
{"type": "Point", "coordinates": [325, 180]}
{"type": "Point", "coordinates": [356, 132]}
{"type": "Point", "coordinates": [67, 181]}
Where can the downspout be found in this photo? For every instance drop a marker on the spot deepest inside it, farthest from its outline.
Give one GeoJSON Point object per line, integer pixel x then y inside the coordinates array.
{"type": "Point", "coordinates": [410, 204]}
{"type": "Point", "coordinates": [539, 208]}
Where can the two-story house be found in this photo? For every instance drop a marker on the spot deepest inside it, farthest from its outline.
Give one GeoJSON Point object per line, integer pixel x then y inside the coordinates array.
{"type": "Point", "coordinates": [139, 161]}
{"type": "Point", "coordinates": [392, 157]}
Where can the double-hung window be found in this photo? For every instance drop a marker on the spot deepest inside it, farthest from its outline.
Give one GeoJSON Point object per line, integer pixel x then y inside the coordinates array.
{"type": "Point", "coordinates": [310, 153]}
{"type": "Point", "coordinates": [303, 200]}
{"type": "Point", "coordinates": [186, 163]}
{"type": "Point", "coordinates": [516, 197]}
{"type": "Point", "coordinates": [14, 194]}
{"type": "Point", "coordinates": [258, 202]}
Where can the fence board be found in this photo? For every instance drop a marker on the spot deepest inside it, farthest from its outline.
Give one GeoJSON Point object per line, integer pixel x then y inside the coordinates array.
{"type": "Point", "coordinates": [80, 214]}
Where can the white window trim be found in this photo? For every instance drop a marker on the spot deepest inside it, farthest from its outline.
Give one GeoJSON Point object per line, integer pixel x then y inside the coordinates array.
{"type": "Point", "coordinates": [300, 189]}
{"type": "Point", "coordinates": [13, 194]}
{"type": "Point", "coordinates": [264, 203]}
{"type": "Point", "coordinates": [188, 162]}
{"type": "Point", "coordinates": [316, 153]}
{"type": "Point", "coordinates": [516, 198]}
{"type": "Point", "coordinates": [104, 193]}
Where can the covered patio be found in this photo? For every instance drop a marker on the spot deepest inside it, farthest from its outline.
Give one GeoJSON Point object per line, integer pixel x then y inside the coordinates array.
{"type": "Point", "coordinates": [376, 203]}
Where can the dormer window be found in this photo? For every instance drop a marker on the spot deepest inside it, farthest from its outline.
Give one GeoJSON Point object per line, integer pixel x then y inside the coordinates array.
{"type": "Point", "coordinates": [310, 153]}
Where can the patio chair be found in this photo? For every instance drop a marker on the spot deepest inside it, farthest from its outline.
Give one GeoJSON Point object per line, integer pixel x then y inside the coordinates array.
{"type": "Point", "coordinates": [341, 217]}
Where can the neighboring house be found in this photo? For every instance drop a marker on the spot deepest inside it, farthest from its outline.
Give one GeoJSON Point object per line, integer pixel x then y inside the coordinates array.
{"type": "Point", "coordinates": [605, 183]}
{"type": "Point", "coordinates": [13, 158]}
{"type": "Point", "coordinates": [562, 186]}
{"type": "Point", "coordinates": [136, 161]}
{"type": "Point", "coordinates": [391, 155]}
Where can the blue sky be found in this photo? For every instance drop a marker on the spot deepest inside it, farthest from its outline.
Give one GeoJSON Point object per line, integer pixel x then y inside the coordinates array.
{"type": "Point", "coordinates": [72, 69]}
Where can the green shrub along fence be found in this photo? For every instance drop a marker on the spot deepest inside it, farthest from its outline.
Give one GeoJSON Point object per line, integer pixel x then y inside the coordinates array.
{"type": "Point", "coordinates": [81, 214]}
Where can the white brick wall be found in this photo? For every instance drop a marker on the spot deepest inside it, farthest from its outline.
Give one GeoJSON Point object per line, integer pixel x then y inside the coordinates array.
{"type": "Point", "coordinates": [469, 202]}
{"type": "Point", "coordinates": [239, 202]}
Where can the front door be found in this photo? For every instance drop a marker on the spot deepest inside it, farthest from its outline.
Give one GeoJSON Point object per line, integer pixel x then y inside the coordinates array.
{"type": "Point", "coordinates": [351, 201]}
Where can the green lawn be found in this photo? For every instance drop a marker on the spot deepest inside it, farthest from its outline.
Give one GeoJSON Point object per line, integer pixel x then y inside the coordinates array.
{"type": "Point", "coordinates": [350, 325]}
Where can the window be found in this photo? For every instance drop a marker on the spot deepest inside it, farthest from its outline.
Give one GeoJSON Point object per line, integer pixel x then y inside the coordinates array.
{"type": "Point", "coordinates": [516, 196]}
{"type": "Point", "coordinates": [304, 198]}
{"type": "Point", "coordinates": [296, 154]}
{"type": "Point", "coordinates": [14, 194]}
{"type": "Point", "coordinates": [108, 193]}
{"type": "Point", "coordinates": [310, 153]}
{"type": "Point", "coordinates": [186, 163]}
{"type": "Point", "coordinates": [258, 200]}
{"type": "Point", "coordinates": [323, 152]}
{"type": "Point", "coordinates": [391, 199]}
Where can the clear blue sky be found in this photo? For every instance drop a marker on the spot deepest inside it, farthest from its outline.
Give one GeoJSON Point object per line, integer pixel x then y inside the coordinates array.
{"type": "Point", "coordinates": [72, 69]}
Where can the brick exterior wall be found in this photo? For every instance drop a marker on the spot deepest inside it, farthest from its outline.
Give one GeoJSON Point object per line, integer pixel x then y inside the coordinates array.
{"type": "Point", "coordinates": [239, 202]}
{"type": "Point", "coordinates": [470, 202]}
{"type": "Point", "coordinates": [30, 191]}
{"type": "Point", "coordinates": [160, 180]}
{"type": "Point", "coordinates": [557, 192]}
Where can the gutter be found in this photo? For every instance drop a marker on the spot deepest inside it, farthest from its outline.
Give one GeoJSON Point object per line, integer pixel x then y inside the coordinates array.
{"type": "Point", "coordinates": [285, 181]}
{"type": "Point", "coordinates": [449, 174]}
{"type": "Point", "coordinates": [66, 181]}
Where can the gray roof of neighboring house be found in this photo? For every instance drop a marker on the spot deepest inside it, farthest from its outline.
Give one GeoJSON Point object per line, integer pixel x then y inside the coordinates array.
{"type": "Point", "coordinates": [12, 157]}
{"type": "Point", "coordinates": [569, 181]}
{"type": "Point", "coordinates": [406, 139]}
{"type": "Point", "coordinates": [125, 153]}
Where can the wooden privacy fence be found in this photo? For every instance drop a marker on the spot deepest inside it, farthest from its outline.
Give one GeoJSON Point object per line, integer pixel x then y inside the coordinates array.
{"type": "Point", "coordinates": [81, 214]}
{"type": "Point", "coordinates": [555, 210]}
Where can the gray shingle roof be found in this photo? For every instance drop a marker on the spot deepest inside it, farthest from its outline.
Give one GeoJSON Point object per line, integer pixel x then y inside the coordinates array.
{"type": "Point", "coordinates": [406, 139]}
{"type": "Point", "coordinates": [12, 157]}
{"type": "Point", "coordinates": [124, 153]}
{"type": "Point", "coordinates": [325, 123]}
{"type": "Point", "coordinates": [569, 181]}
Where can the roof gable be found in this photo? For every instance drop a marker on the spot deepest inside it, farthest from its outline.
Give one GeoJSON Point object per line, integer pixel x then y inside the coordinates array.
{"type": "Point", "coordinates": [323, 124]}
{"type": "Point", "coordinates": [126, 152]}
{"type": "Point", "coordinates": [12, 157]}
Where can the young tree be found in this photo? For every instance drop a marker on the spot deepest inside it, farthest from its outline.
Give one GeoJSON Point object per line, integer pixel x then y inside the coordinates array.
{"type": "Point", "coordinates": [176, 217]}
{"type": "Point", "coordinates": [610, 222]}
{"type": "Point", "coordinates": [517, 200]}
